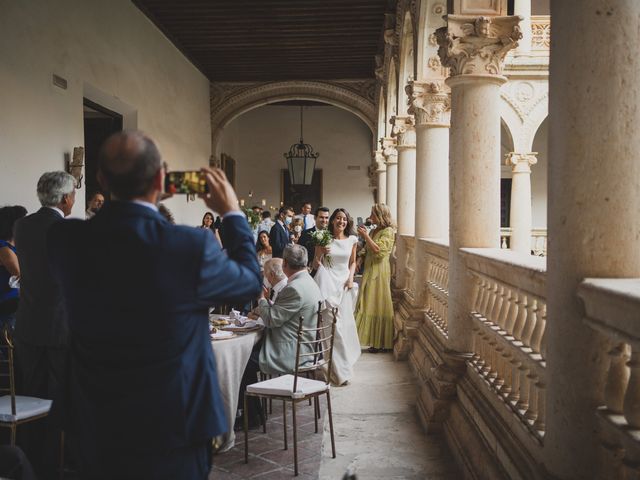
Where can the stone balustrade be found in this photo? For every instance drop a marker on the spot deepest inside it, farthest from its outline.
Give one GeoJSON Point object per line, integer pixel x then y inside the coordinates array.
{"type": "Point", "coordinates": [538, 240]}
{"type": "Point", "coordinates": [409, 263]}
{"type": "Point", "coordinates": [436, 256]}
{"type": "Point", "coordinates": [508, 313]}
{"type": "Point", "coordinates": [612, 307]}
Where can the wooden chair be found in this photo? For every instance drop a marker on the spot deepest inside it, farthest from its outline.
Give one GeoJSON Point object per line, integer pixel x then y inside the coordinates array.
{"type": "Point", "coordinates": [298, 388]}
{"type": "Point", "coordinates": [16, 409]}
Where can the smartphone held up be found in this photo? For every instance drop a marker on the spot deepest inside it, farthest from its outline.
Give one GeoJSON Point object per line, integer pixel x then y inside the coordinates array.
{"type": "Point", "coordinates": [189, 182]}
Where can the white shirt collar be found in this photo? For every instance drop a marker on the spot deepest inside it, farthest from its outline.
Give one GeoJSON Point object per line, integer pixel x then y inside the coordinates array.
{"type": "Point", "coordinates": [280, 285]}
{"type": "Point", "coordinates": [56, 209]}
{"type": "Point", "coordinates": [296, 275]}
{"type": "Point", "coordinates": [146, 204]}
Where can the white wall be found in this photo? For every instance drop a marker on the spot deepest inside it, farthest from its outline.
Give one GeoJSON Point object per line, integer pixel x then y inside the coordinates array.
{"type": "Point", "coordinates": [259, 138]}
{"type": "Point", "coordinates": [111, 53]}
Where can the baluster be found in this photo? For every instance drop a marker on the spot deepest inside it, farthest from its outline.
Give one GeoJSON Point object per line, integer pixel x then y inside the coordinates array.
{"type": "Point", "coordinates": [538, 331]}
{"type": "Point", "coordinates": [530, 323]}
{"type": "Point", "coordinates": [540, 419]}
{"type": "Point", "coordinates": [513, 313]}
{"type": "Point", "coordinates": [617, 378]}
{"type": "Point", "coordinates": [476, 293]}
{"type": "Point", "coordinates": [523, 390]}
{"type": "Point", "coordinates": [507, 374]}
{"type": "Point", "coordinates": [482, 291]}
{"type": "Point", "coordinates": [503, 242]}
{"type": "Point", "coordinates": [499, 359]}
{"type": "Point", "coordinates": [492, 372]}
{"type": "Point", "coordinates": [532, 412]}
{"type": "Point", "coordinates": [506, 308]}
{"type": "Point", "coordinates": [514, 395]}
{"type": "Point", "coordinates": [491, 287]}
{"type": "Point", "coordinates": [495, 311]}
{"type": "Point", "coordinates": [631, 407]}
{"type": "Point", "coordinates": [522, 316]}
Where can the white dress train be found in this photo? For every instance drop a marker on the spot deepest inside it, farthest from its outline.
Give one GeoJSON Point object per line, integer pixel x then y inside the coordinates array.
{"type": "Point", "coordinates": [331, 277]}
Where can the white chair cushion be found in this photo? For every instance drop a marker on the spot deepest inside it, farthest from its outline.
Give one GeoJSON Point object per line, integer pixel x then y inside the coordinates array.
{"type": "Point", "coordinates": [26, 407]}
{"type": "Point", "coordinates": [283, 386]}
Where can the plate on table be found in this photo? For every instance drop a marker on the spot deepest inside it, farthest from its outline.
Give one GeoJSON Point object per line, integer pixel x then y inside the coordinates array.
{"type": "Point", "coordinates": [222, 335]}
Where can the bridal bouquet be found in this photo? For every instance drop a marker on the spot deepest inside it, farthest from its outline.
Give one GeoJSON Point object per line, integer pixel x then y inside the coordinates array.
{"type": "Point", "coordinates": [322, 238]}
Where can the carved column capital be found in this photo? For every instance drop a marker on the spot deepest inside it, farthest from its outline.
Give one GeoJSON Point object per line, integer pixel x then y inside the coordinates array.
{"type": "Point", "coordinates": [477, 45]}
{"type": "Point", "coordinates": [379, 161]}
{"type": "Point", "coordinates": [430, 103]}
{"type": "Point", "coordinates": [521, 162]}
{"type": "Point", "coordinates": [404, 131]}
{"type": "Point", "coordinates": [389, 150]}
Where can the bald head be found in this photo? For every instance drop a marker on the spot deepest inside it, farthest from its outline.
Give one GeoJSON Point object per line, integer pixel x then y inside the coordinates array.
{"type": "Point", "coordinates": [128, 164]}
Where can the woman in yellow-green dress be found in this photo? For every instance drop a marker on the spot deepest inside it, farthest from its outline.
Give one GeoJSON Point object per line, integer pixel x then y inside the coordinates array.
{"type": "Point", "coordinates": [374, 309]}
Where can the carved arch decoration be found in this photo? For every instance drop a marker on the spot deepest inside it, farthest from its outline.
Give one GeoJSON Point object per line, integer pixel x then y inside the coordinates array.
{"type": "Point", "coordinates": [229, 101]}
{"type": "Point", "coordinates": [427, 60]}
{"type": "Point", "coordinates": [392, 96]}
{"type": "Point", "coordinates": [524, 104]}
{"type": "Point", "coordinates": [406, 72]}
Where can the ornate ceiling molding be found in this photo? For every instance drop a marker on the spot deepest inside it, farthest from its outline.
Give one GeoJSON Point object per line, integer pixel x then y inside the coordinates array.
{"type": "Point", "coordinates": [230, 100]}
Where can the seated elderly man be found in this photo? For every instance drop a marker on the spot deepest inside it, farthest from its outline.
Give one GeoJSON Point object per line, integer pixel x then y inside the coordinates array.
{"type": "Point", "coordinates": [274, 281]}
{"type": "Point", "coordinates": [298, 299]}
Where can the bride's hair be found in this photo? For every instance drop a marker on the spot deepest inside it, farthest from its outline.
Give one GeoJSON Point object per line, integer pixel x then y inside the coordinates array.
{"type": "Point", "coordinates": [349, 228]}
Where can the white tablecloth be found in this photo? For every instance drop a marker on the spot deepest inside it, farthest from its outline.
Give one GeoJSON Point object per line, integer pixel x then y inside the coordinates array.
{"type": "Point", "coordinates": [232, 356]}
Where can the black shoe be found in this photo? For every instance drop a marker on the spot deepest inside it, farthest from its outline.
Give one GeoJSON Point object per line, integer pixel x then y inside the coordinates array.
{"type": "Point", "coordinates": [372, 350]}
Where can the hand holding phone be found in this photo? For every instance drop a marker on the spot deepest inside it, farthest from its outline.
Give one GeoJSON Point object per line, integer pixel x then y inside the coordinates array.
{"type": "Point", "coordinates": [221, 197]}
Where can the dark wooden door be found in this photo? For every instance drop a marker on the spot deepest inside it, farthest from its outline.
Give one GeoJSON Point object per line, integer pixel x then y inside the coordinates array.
{"type": "Point", "coordinates": [297, 195]}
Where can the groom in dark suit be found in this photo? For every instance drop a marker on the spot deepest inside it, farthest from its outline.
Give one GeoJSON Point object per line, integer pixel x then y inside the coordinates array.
{"type": "Point", "coordinates": [322, 222]}
{"type": "Point", "coordinates": [143, 397]}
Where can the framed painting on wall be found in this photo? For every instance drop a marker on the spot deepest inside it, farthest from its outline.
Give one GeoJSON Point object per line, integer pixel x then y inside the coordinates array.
{"type": "Point", "coordinates": [296, 195]}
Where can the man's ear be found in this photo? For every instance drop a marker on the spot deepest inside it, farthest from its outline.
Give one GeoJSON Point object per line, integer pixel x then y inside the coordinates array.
{"type": "Point", "coordinates": [158, 180]}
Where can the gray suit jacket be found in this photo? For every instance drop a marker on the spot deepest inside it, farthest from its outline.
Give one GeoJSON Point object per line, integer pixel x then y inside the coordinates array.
{"type": "Point", "coordinates": [299, 298]}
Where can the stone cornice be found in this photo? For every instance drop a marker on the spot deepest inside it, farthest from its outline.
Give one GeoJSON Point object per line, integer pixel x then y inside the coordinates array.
{"type": "Point", "coordinates": [404, 131]}
{"type": "Point", "coordinates": [477, 45]}
{"type": "Point", "coordinates": [430, 103]}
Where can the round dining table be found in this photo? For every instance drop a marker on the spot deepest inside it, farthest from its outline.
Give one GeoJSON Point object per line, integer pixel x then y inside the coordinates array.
{"type": "Point", "coordinates": [231, 355]}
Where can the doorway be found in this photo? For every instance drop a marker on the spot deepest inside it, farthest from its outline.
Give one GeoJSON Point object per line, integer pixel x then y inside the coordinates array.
{"type": "Point", "coordinates": [99, 124]}
{"type": "Point", "coordinates": [297, 195]}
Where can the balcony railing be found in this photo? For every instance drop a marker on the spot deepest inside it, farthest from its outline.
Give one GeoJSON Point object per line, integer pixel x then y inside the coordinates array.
{"type": "Point", "coordinates": [436, 256]}
{"type": "Point", "coordinates": [509, 316]}
{"type": "Point", "coordinates": [612, 307]}
{"type": "Point", "coordinates": [538, 240]}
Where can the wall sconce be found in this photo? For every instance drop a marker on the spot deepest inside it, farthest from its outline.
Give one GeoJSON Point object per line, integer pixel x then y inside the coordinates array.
{"type": "Point", "coordinates": [74, 166]}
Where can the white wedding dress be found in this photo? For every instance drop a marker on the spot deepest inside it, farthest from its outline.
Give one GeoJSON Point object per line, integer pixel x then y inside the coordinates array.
{"type": "Point", "coordinates": [331, 277]}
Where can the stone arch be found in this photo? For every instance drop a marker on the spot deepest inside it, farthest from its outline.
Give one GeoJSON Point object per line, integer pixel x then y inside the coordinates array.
{"type": "Point", "coordinates": [407, 64]}
{"type": "Point", "coordinates": [392, 96]}
{"type": "Point", "coordinates": [241, 101]}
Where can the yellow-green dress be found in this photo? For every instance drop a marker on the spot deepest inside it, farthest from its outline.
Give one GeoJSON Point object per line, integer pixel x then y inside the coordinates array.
{"type": "Point", "coordinates": [374, 309]}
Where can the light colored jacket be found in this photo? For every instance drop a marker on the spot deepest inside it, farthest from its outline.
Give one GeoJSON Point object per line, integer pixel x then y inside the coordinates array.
{"type": "Point", "coordinates": [299, 298]}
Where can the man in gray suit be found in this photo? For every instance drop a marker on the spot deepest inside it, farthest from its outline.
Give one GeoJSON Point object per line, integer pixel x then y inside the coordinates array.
{"type": "Point", "coordinates": [298, 299]}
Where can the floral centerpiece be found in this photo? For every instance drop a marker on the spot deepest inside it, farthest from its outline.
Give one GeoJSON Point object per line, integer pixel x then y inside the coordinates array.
{"type": "Point", "coordinates": [252, 217]}
{"type": "Point", "coordinates": [322, 238]}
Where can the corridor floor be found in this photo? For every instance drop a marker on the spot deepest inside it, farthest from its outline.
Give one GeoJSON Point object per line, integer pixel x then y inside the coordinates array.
{"type": "Point", "coordinates": [378, 435]}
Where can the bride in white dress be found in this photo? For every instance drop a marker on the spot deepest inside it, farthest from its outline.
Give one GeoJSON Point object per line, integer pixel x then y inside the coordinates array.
{"type": "Point", "coordinates": [336, 267]}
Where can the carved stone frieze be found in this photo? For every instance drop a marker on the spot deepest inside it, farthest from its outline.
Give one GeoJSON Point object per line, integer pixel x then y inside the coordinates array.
{"type": "Point", "coordinates": [430, 103]}
{"type": "Point", "coordinates": [404, 131]}
{"type": "Point", "coordinates": [477, 45]}
{"type": "Point", "coordinates": [379, 161]}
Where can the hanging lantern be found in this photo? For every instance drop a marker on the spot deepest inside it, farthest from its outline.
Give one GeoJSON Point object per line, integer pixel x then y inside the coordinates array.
{"type": "Point", "coordinates": [301, 160]}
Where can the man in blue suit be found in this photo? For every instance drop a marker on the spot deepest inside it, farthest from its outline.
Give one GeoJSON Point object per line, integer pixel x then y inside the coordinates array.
{"type": "Point", "coordinates": [143, 398]}
{"type": "Point", "coordinates": [279, 236]}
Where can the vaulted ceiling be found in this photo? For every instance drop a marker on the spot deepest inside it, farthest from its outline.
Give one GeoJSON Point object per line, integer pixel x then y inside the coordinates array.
{"type": "Point", "coordinates": [261, 40]}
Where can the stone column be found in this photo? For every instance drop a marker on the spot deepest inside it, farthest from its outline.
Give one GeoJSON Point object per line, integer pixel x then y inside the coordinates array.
{"type": "Point", "coordinates": [381, 173]}
{"type": "Point", "coordinates": [405, 134]}
{"type": "Point", "coordinates": [594, 200]}
{"type": "Point", "coordinates": [523, 8]}
{"type": "Point", "coordinates": [391, 161]}
{"type": "Point", "coordinates": [473, 48]}
{"type": "Point", "coordinates": [431, 105]}
{"type": "Point", "coordinates": [520, 211]}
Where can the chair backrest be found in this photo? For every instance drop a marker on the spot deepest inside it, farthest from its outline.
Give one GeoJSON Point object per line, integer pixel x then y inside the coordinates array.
{"type": "Point", "coordinates": [7, 373]}
{"type": "Point", "coordinates": [321, 347]}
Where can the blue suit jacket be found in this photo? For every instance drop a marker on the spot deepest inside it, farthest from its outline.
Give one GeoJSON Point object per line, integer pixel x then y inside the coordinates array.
{"type": "Point", "coordinates": [278, 239]}
{"type": "Point", "coordinates": [137, 290]}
